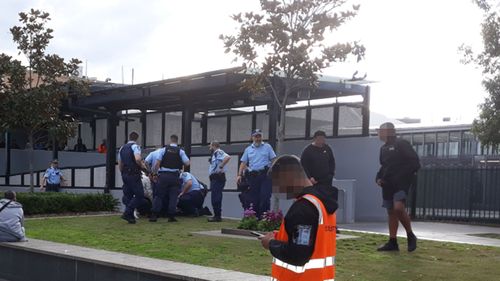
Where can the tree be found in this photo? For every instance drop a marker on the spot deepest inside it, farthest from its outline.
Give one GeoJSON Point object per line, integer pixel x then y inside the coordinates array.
{"type": "Point", "coordinates": [282, 47]}
{"type": "Point", "coordinates": [32, 95]}
{"type": "Point", "coordinates": [487, 126]}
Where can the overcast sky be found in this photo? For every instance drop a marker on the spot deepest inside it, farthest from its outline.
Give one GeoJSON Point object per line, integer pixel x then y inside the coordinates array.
{"type": "Point", "coordinates": [412, 46]}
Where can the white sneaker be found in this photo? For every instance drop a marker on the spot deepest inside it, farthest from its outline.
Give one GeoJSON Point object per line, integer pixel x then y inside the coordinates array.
{"type": "Point", "coordinates": [136, 214]}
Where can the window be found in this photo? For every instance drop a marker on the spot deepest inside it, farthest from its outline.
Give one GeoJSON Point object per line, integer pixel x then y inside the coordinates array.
{"type": "Point", "coordinates": [196, 129]}
{"type": "Point", "coordinates": [418, 144]}
{"type": "Point", "coordinates": [295, 126]}
{"type": "Point", "coordinates": [322, 119]}
{"type": "Point", "coordinates": [454, 144]}
{"type": "Point", "coordinates": [469, 144]}
{"type": "Point", "coordinates": [442, 144]}
{"type": "Point", "coordinates": [263, 124]}
{"type": "Point", "coordinates": [173, 125]}
{"type": "Point", "coordinates": [430, 144]}
{"type": "Point", "coordinates": [101, 132]}
{"type": "Point", "coordinates": [217, 129]}
{"type": "Point", "coordinates": [153, 129]}
{"type": "Point", "coordinates": [350, 121]}
{"type": "Point", "coordinates": [241, 126]}
{"type": "Point", "coordinates": [120, 134]}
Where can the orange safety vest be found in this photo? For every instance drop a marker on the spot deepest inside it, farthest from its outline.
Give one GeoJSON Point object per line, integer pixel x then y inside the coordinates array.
{"type": "Point", "coordinates": [321, 265]}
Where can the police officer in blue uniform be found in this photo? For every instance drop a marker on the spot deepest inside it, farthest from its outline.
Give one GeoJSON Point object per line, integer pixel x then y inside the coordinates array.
{"type": "Point", "coordinates": [130, 164]}
{"type": "Point", "coordinates": [169, 166]}
{"type": "Point", "coordinates": [217, 174]}
{"type": "Point", "coordinates": [257, 159]}
{"type": "Point", "coordinates": [52, 178]}
{"type": "Point", "coordinates": [191, 197]}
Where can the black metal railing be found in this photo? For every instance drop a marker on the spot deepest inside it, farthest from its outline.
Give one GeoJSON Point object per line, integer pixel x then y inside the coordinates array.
{"type": "Point", "coordinates": [467, 194]}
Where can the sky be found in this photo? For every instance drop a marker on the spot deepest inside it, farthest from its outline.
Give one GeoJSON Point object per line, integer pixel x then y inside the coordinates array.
{"type": "Point", "coordinates": [412, 54]}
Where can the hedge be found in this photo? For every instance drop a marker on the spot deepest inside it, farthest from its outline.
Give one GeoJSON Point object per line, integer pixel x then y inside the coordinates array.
{"type": "Point", "coordinates": [59, 203]}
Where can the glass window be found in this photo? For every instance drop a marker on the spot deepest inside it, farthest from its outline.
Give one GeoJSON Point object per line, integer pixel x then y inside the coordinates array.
{"type": "Point", "coordinates": [406, 137]}
{"type": "Point", "coordinates": [101, 132]}
{"type": "Point", "coordinates": [442, 144]}
{"type": "Point", "coordinates": [241, 125]}
{"type": "Point", "coordinates": [430, 144]}
{"type": "Point", "coordinates": [454, 144]}
{"type": "Point", "coordinates": [136, 126]}
{"type": "Point", "coordinates": [87, 137]}
{"type": "Point", "coordinates": [295, 126]}
{"type": "Point", "coordinates": [173, 125]}
{"type": "Point", "coordinates": [120, 134]}
{"type": "Point", "coordinates": [322, 119]}
{"type": "Point", "coordinates": [350, 121]}
{"type": "Point", "coordinates": [196, 129]}
{"type": "Point", "coordinates": [217, 129]}
{"type": "Point", "coordinates": [468, 143]}
{"type": "Point", "coordinates": [153, 129]}
{"type": "Point", "coordinates": [263, 124]}
{"type": "Point", "coordinates": [418, 144]}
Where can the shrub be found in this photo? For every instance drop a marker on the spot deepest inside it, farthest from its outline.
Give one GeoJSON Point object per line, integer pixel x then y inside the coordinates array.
{"type": "Point", "coordinates": [58, 203]}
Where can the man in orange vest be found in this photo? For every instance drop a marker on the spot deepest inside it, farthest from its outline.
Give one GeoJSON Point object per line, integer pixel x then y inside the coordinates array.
{"type": "Point", "coordinates": [304, 247]}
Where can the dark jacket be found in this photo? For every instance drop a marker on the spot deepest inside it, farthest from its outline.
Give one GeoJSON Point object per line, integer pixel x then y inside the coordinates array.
{"type": "Point", "coordinates": [399, 163]}
{"type": "Point", "coordinates": [302, 213]}
{"type": "Point", "coordinates": [319, 163]}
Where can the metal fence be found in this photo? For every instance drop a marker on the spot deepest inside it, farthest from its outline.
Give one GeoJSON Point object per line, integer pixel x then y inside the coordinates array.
{"type": "Point", "coordinates": [468, 194]}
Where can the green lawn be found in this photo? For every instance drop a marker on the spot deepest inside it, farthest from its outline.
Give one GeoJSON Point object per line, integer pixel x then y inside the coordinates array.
{"type": "Point", "coordinates": [356, 259]}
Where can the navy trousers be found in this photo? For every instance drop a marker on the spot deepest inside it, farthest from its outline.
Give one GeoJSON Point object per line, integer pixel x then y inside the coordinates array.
{"type": "Point", "coordinates": [133, 193]}
{"type": "Point", "coordinates": [167, 191]}
{"type": "Point", "coordinates": [191, 202]}
{"type": "Point", "coordinates": [216, 187]}
{"type": "Point", "coordinates": [260, 193]}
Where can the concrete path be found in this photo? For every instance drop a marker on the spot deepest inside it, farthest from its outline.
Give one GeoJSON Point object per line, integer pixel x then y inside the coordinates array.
{"type": "Point", "coordinates": [217, 233]}
{"type": "Point", "coordinates": [446, 232]}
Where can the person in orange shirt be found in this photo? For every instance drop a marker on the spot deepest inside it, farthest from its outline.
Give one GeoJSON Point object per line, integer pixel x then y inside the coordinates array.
{"type": "Point", "coordinates": [102, 147]}
{"type": "Point", "coordinates": [304, 247]}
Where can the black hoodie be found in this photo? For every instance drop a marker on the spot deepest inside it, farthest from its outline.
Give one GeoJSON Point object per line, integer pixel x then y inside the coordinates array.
{"type": "Point", "coordinates": [303, 214]}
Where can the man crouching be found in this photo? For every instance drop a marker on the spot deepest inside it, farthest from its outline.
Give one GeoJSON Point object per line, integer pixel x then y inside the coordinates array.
{"type": "Point", "coordinates": [304, 247]}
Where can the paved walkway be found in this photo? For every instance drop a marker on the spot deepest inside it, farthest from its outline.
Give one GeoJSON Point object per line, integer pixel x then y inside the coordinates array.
{"type": "Point", "coordinates": [446, 232]}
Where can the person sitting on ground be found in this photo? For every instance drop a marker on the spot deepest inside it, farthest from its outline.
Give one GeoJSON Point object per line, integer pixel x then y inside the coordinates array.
{"type": "Point", "coordinates": [79, 146]}
{"type": "Point", "coordinates": [191, 196]}
{"type": "Point", "coordinates": [102, 147]}
{"type": "Point", "coordinates": [11, 219]}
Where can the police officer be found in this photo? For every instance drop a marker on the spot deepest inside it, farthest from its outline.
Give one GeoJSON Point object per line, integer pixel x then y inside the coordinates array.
{"type": "Point", "coordinates": [304, 247]}
{"type": "Point", "coordinates": [257, 158]}
{"type": "Point", "coordinates": [130, 164]}
{"type": "Point", "coordinates": [217, 175]}
{"type": "Point", "coordinates": [169, 166]}
{"type": "Point", "coordinates": [191, 196]}
{"type": "Point", "coordinates": [52, 178]}
{"type": "Point", "coordinates": [399, 165]}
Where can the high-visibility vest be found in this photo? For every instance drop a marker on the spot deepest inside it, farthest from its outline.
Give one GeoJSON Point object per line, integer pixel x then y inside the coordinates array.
{"type": "Point", "coordinates": [321, 265]}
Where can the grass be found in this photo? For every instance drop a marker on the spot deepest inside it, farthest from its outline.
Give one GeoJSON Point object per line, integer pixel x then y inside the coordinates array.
{"type": "Point", "coordinates": [356, 258]}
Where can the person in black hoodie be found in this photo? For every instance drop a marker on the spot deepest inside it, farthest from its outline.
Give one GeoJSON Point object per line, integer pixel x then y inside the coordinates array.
{"type": "Point", "coordinates": [399, 165]}
{"type": "Point", "coordinates": [301, 220]}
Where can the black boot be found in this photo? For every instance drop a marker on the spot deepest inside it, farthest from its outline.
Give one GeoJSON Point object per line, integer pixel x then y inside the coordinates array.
{"type": "Point", "coordinates": [128, 219]}
{"type": "Point", "coordinates": [392, 245]}
{"type": "Point", "coordinates": [412, 242]}
{"type": "Point", "coordinates": [153, 217]}
{"type": "Point", "coordinates": [215, 219]}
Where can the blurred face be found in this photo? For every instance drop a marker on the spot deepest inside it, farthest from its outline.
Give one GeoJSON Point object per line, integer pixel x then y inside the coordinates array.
{"type": "Point", "coordinates": [320, 140]}
{"type": "Point", "coordinates": [384, 134]}
{"type": "Point", "coordinates": [55, 165]}
{"type": "Point", "coordinates": [257, 139]}
{"type": "Point", "coordinates": [288, 182]}
{"type": "Point", "coordinates": [212, 147]}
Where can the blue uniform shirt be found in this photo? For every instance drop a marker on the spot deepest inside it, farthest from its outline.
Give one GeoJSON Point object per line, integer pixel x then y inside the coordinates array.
{"type": "Point", "coordinates": [258, 157]}
{"type": "Point", "coordinates": [53, 175]}
{"type": "Point", "coordinates": [152, 158]}
{"type": "Point", "coordinates": [135, 148]}
{"type": "Point", "coordinates": [185, 177]}
{"type": "Point", "coordinates": [217, 158]}
{"type": "Point", "coordinates": [182, 153]}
